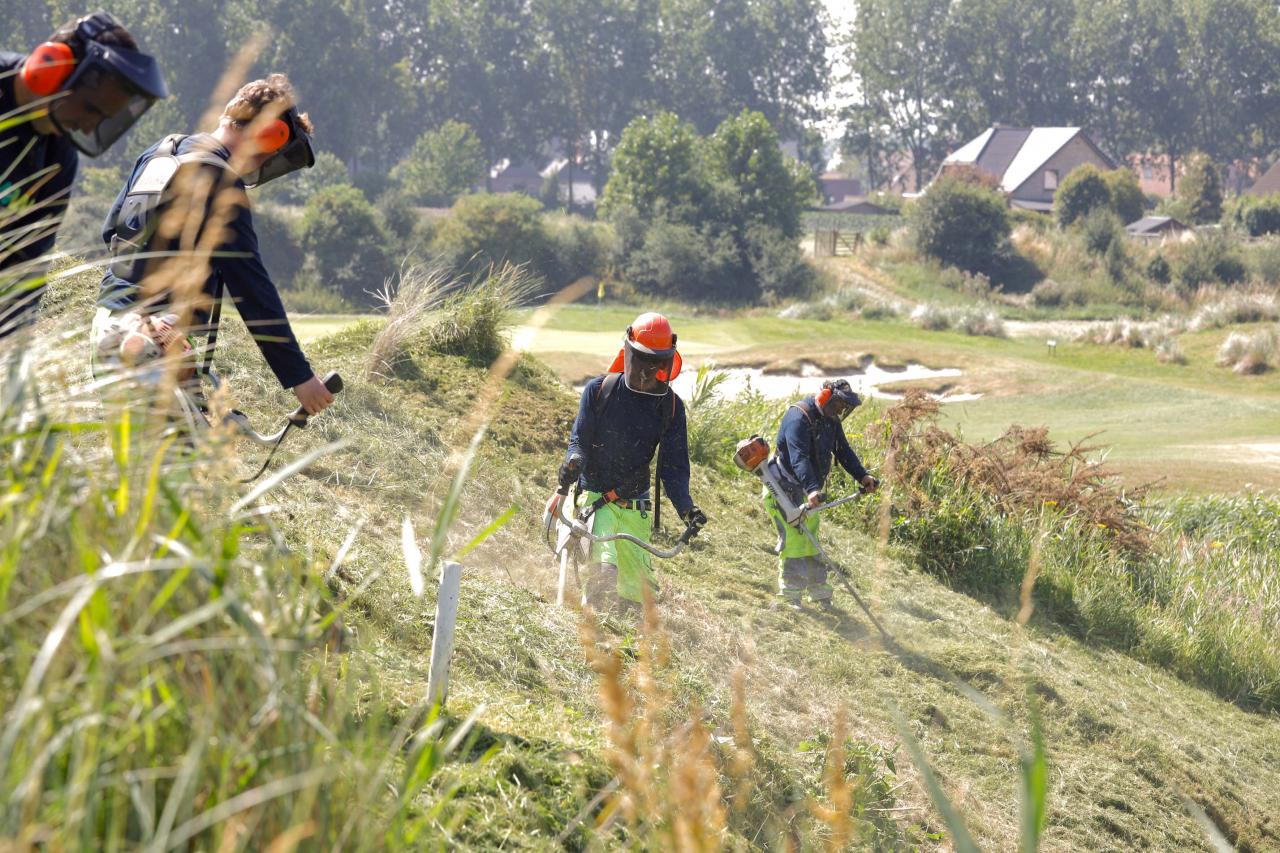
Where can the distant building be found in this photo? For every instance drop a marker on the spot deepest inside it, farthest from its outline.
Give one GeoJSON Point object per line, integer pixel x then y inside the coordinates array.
{"type": "Point", "coordinates": [1155, 178]}
{"type": "Point", "coordinates": [857, 204]}
{"type": "Point", "coordinates": [1269, 182]}
{"type": "Point", "coordinates": [1029, 162]}
{"type": "Point", "coordinates": [1157, 228]}
{"type": "Point", "coordinates": [516, 178]}
{"type": "Point", "coordinates": [835, 187]}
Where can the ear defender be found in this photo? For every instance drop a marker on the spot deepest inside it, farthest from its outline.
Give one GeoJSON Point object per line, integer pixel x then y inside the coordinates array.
{"type": "Point", "coordinates": [48, 67]}
{"type": "Point", "coordinates": [273, 137]}
{"type": "Point", "coordinates": [824, 396]}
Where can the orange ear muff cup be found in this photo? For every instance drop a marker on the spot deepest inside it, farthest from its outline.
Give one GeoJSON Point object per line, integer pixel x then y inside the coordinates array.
{"type": "Point", "coordinates": [48, 67]}
{"type": "Point", "coordinates": [273, 137]}
{"type": "Point", "coordinates": [824, 397]}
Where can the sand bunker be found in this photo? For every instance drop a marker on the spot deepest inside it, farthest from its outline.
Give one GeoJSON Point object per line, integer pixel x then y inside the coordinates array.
{"type": "Point", "coordinates": [866, 381]}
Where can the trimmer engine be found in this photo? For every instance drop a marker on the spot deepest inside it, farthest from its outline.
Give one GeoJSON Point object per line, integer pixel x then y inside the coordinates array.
{"type": "Point", "coordinates": [753, 455]}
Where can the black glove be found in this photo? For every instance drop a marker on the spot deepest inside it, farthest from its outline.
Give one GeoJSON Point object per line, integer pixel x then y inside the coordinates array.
{"type": "Point", "coordinates": [694, 517]}
{"type": "Point", "coordinates": [869, 484]}
{"type": "Point", "coordinates": [569, 471]}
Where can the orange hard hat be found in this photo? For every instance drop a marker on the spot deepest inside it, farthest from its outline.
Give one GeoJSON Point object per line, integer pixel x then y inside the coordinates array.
{"type": "Point", "coordinates": [651, 332]}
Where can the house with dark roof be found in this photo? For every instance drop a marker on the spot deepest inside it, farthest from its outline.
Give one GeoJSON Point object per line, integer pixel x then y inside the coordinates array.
{"type": "Point", "coordinates": [857, 204]}
{"type": "Point", "coordinates": [836, 187]}
{"type": "Point", "coordinates": [1157, 228]}
{"type": "Point", "coordinates": [1028, 163]}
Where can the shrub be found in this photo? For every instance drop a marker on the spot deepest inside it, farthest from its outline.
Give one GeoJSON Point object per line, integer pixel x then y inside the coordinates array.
{"type": "Point", "coordinates": [1201, 189]}
{"type": "Point", "coordinates": [931, 317]}
{"type": "Point", "coordinates": [443, 164]}
{"type": "Point", "coordinates": [1233, 311]}
{"type": "Point", "coordinates": [676, 259]}
{"type": "Point", "coordinates": [974, 285]}
{"type": "Point", "coordinates": [1158, 269]}
{"type": "Point", "coordinates": [879, 236]}
{"type": "Point", "coordinates": [308, 296]}
{"type": "Point", "coordinates": [1126, 198]}
{"type": "Point", "coordinates": [1255, 215]}
{"type": "Point", "coordinates": [1100, 228]}
{"type": "Point", "coordinates": [881, 311]}
{"type": "Point", "coordinates": [1246, 354]}
{"type": "Point", "coordinates": [278, 243]}
{"type": "Point", "coordinates": [770, 188]}
{"type": "Point", "coordinates": [399, 215]}
{"type": "Point", "coordinates": [484, 231]}
{"type": "Point", "coordinates": [657, 167]}
{"type": "Point", "coordinates": [329, 171]}
{"type": "Point", "coordinates": [347, 242]}
{"type": "Point", "coordinates": [985, 323]}
{"type": "Point", "coordinates": [779, 269]}
{"type": "Point", "coordinates": [1083, 189]}
{"type": "Point", "coordinates": [577, 247]}
{"type": "Point", "coordinates": [960, 224]}
{"type": "Point", "coordinates": [1208, 259]}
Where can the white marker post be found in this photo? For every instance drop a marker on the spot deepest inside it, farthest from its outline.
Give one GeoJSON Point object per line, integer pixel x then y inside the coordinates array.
{"type": "Point", "coordinates": [442, 638]}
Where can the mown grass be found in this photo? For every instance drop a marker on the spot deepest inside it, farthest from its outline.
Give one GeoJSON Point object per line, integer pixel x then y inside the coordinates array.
{"type": "Point", "coordinates": [1124, 742]}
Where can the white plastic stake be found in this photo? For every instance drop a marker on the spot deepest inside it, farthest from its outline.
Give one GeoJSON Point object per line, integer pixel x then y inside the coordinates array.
{"type": "Point", "coordinates": [442, 639]}
{"type": "Point", "coordinates": [564, 574]}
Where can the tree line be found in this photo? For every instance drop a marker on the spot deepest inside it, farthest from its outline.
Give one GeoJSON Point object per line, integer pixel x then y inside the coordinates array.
{"type": "Point", "coordinates": [376, 74]}
{"type": "Point", "coordinates": [1164, 77]}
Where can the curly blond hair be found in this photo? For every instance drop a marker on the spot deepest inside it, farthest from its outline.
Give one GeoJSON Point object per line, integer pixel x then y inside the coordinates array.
{"type": "Point", "coordinates": [252, 97]}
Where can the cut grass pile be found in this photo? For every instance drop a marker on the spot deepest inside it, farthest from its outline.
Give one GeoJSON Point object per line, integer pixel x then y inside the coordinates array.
{"type": "Point", "coordinates": [1126, 743]}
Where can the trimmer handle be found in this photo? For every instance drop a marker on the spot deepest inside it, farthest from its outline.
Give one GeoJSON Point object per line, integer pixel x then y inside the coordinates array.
{"type": "Point", "coordinates": [299, 416]}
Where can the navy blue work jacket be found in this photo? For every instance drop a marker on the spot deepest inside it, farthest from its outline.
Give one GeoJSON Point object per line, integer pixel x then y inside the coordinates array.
{"type": "Point", "coordinates": [619, 445]}
{"type": "Point", "coordinates": [806, 449]}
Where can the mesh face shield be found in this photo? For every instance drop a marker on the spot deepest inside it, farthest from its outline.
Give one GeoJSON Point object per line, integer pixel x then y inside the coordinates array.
{"type": "Point", "coordinates": [843, 400]}
{"type": "Point", "coordinates": [648, 371]}
{"type": "Point", "coordinates": [296, 154]}
{"type": "Point", "coordinates": [111, 88]}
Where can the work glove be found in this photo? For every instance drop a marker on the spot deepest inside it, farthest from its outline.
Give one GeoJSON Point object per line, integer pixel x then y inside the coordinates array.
{"type": "Point", "coordinates": [816, 498]}
{"type": "Point", "coordinates": [869, 484]}
{"type": "Point", "coordinates": [694, 517]}
{"type": "Point", "coordinates": [569, 471]}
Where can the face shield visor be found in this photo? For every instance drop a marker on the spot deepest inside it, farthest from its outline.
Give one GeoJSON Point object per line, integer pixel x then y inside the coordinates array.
{"type": "Point", "coordinates": [295, 154]}
{"type": "Point", "coordinates": [109, 91]}
{"type": "Point", "coordinates": [842, 401]}
{"type": "Point", "coordinates": [649, 371]}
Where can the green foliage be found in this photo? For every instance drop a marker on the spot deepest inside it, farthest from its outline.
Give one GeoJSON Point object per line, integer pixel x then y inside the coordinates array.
{"type": "Point", "coordinates": [1212, 258]}
{"type": "Point", "coordinates": [960, 224]}
{"type": "Point", "coordinates": [347, 243]}
{"type": "Point", "coordinates": [1201, 189]}
{"type": "Point", "coordinates": [484, 231]}
{"type": "Point", "coordinates": [709, 219]}
{"type": "Point", "coordinates": [399, 215]}
{"type": "Point", "coordinates": [1084, 189]}
{"type": "Point", "coordinates": [443, 165]}
{"type": "Point", "coordinates": [1255, 215]}
{"type": "Point", "coordinates": [1100, 229]}
{"type": "Point", "coordinates": [1125, 196]}
{"type": "Point", "coordinates": [1158, 269]}
{"type": "Point", "coordinates": [658, 167]}
{"type": "Point", "coordinates": [771, 189]}
{"type": "Point", "coordinates": [297, 188]}
{"type": "Point", "coordinates": [278, 242]}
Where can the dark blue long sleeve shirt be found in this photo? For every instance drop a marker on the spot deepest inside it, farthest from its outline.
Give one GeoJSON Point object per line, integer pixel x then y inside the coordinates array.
{"type": "Point", "coordinates": [619, 445]}
{"type": "Point", "coordinates": [236, 265]}
{"type": "Point", "coordinates": [806, 449]}
{"type": "Point", "coordinates": [36, 174]}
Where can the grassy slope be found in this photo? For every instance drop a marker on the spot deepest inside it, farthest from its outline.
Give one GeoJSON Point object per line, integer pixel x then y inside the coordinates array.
{"type": "Point", "coordinates": [1126, 742]}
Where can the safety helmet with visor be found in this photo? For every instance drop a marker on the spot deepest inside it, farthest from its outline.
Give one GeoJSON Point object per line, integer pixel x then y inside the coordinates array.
{"type": "Point", "coordinates": [102, 89]}
{"type": "Point", "coordinates": [837, 399]}
{"type": "Point", "coordinates": [287, 141]}
{"type": "Point", "coordinates": [648, 359]}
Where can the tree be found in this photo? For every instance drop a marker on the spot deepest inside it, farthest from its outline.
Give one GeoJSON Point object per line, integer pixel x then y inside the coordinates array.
{"type": "Point", "coordinates": [1201, 189]}
{"type": "Point", "coordinates": [771, 188]}
{"type": "Point", "coordinates": [718, 57]}
{"type": "Point", "coordinates": [658, 168]}
{"type": "Point", "coordinates": [896, 54]}
{"type": "Point", "coordinates": [961, 224]}
{"type": "Point", "coordinates": [347, 242]}
{"type": "Point", "coordinates": [1084, 189]}
{"type": "Point", "coordinates": [444, 164]}
{"type": "Point", "coordinates": [487, 230]}
{"type": "Point", "coordinates": [1126, 198]}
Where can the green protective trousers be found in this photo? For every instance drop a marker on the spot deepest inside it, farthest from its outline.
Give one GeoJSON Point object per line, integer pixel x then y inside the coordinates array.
{"type": "Point", "coordinates": [800, 569]}
{"type": "Point", "coordinates": [631, 563]}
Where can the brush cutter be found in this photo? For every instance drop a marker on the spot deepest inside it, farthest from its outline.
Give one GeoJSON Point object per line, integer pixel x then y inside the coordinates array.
{"type": "Point", "coordinates": [573, 538]}
{"type": "Point", "coordinates": [752, 456]}
{"type": "Point", "coordinates": [195, 412]}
